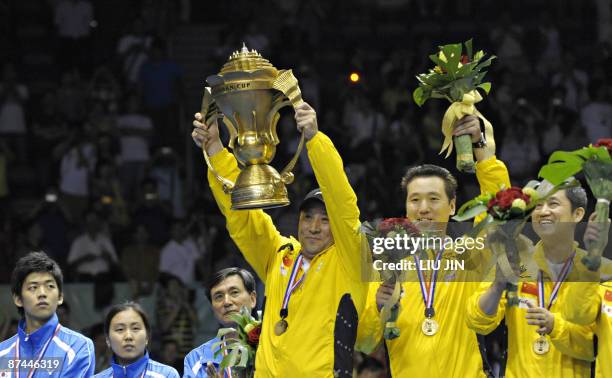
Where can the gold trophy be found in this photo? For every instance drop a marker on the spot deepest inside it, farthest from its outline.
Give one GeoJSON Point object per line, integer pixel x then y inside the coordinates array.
{"type": "Point", "coordinates": [247, 95]}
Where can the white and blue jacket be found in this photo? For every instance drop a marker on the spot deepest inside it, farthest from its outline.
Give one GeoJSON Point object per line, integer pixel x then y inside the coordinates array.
{"type": "Point", "coordinates": [197, 359]}
{"type": "Point", "coordinates": [136, 369]}
{"type": "Point", "coordinates": [74, 351]}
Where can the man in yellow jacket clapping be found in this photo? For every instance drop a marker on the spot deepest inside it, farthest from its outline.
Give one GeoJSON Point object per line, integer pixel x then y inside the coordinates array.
{"type": "Point", "coordinates": [541, 342]}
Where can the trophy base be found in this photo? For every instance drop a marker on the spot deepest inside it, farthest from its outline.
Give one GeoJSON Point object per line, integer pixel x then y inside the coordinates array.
{"type": "Point", "coordinates": [259, 186]}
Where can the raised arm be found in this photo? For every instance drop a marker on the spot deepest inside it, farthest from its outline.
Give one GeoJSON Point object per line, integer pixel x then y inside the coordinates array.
{"type": "Point", "coordinates": [492, 175]}
{"type": "Point", "coordinates": [340, 199]}
{"type": "Point", "coordinates": [583, 301]}
{"type": "Point", "coordinates": [252, 230]}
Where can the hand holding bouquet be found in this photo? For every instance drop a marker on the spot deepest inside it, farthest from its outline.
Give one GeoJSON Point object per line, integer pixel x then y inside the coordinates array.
{"type": "Point", "coordinates": [456, 77]}
{"type": "Point", "coordinates": [238, 345]}
{"type": "Point", "coordinates": [390, 228]}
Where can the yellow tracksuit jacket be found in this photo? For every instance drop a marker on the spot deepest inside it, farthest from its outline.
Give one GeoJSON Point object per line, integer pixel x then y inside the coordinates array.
{"type": "Point", "coordinates": [453, 351]}
{"type": "Point", "coordinates": [571, 350]}
{"type": "Point", "coordinates": [591, 302]}
{"type": "Point", "coordinates": [323, 310]}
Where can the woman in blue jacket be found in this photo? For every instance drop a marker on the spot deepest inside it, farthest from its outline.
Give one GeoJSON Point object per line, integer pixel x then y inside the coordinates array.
{"type": "Point", "coordinates": [127, 334]}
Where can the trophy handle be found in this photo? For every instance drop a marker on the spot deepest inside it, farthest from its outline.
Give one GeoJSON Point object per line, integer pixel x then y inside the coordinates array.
{"type": "Point", "coordinates": [286, 175]}
{"type": "Point", "coordinates": [210, 113]}
{"type": "Point", "coordinates": [233, 133]}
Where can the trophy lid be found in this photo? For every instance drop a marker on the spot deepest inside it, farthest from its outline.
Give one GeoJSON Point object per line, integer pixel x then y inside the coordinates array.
{"type": "Point", "coordinates": [249, 61]}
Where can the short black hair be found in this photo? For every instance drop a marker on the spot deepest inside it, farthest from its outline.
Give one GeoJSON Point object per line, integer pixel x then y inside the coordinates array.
{"type": "Point", "coordinates": [34, 262]}
{"type": "Point", "coordinates": [577, 197]}
{"type": "Point", "coordinates": [247, 279]}
{"type": "Point", "coordinates": [430, 170]}
{"type": "Point", "coordinates": [129, 305]}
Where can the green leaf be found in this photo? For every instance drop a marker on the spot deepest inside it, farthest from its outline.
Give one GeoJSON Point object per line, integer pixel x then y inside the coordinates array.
{"type": "Point", "coordinates": [233, 357]}
{"type": "Point", "coordinates": [244, 356]}
{"type": "Point", "coordinates": [598, 153]}
{"type": "Point", "coordinates": [224, 331]}
{"type": "Point", "coordinates": [567, 156]}
{"type": "Point", "coordinates": [218, 347]}
{"type": "Point", "coordinates": [485, 87]}
{"type": "Point", "coordinates": [439, 94]}
{"type": "Point", "coordinates": [434, 80]}
{"type": "Point", "coordinates": [453, 55]}
{"type": "Point", "coordinates": [468, 204]}
{"type": "Point", "coordinates": [603, 154]}
{"type": "Point", "coordinates": [456, 94]}
{"type": "Point", "coordinates": [464, 85]}
{"type": "Point", "coordinates": [466, 69]}
{"type": "Point", "coordinates": [439, 62]}
{"type": "Point", "coordinates": [563, 165]}
{"type": "Point", "coordinates": [419, 96]}
{"type": "Point", "coordinates": [485, 63]}
{"type": "Point", "coordinates": [478, 76]}
{"type": "Point", "coordinates": [470, 213]}
{"type": "Point", "coordinates": [556, 173]}
{"type": "Point", "coordinates": [468, 49]}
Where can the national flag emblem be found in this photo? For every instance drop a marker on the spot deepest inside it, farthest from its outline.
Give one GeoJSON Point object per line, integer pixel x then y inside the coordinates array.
{"type": "Point", "coordinates": [529, 288]}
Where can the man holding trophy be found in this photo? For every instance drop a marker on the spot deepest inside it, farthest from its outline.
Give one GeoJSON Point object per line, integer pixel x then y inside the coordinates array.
{"type": "Point", "coordinates": [314, 291]}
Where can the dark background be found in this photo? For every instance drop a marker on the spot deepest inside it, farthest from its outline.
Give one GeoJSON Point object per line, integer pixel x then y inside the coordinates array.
{"type": "Point", "coordinates": [63, 92]}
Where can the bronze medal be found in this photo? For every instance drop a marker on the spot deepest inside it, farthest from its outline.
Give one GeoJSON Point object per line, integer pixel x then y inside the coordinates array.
{"type": "Point", "coordinates": [541, 345]}
{"type": "Point", "coordinates": [281, 327]}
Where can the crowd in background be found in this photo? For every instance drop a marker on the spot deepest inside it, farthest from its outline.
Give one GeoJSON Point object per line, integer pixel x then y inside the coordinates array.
{"type": "Point", "coordinates": [95, 120]}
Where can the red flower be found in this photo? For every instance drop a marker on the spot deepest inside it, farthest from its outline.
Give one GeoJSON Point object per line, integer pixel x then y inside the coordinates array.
{"type": "Point", "coordinates": [503, 199]}
{"type": "Point", "coordinates": [391, 224]}
{"type": "Point", "coordinates": [253, 336]}
{"type": "Point", "coordinates": [605, 142]}
{"type": "Point", "coordinates": [492, 202]}
{"type": "Point", "coordinates": [464, 59]}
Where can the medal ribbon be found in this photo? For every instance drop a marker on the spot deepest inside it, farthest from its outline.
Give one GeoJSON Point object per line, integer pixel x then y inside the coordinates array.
{"type": "Point", "coordinates": [228, 370]}
{"type": "Point", "coordinates": [291, 286]}
{"type": "Point", "coordinates": [428, 289]}
{"type": "Point", "coordinates": [40, 355]}
{"type": "Point", "coordinates": [562, 276]}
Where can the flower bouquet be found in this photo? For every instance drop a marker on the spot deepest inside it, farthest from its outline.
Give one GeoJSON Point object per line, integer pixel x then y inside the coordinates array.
{"type": "Point", "coordinates": [238, 345]}
{"type": "Point", "coordinates": [456, 77]}
{"type": "Point", "coordinates": [507, 212]}
{"type": "Point", "coordinates": [596, 163]}
{"type": "Point", "coordinates": [391, 228]}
